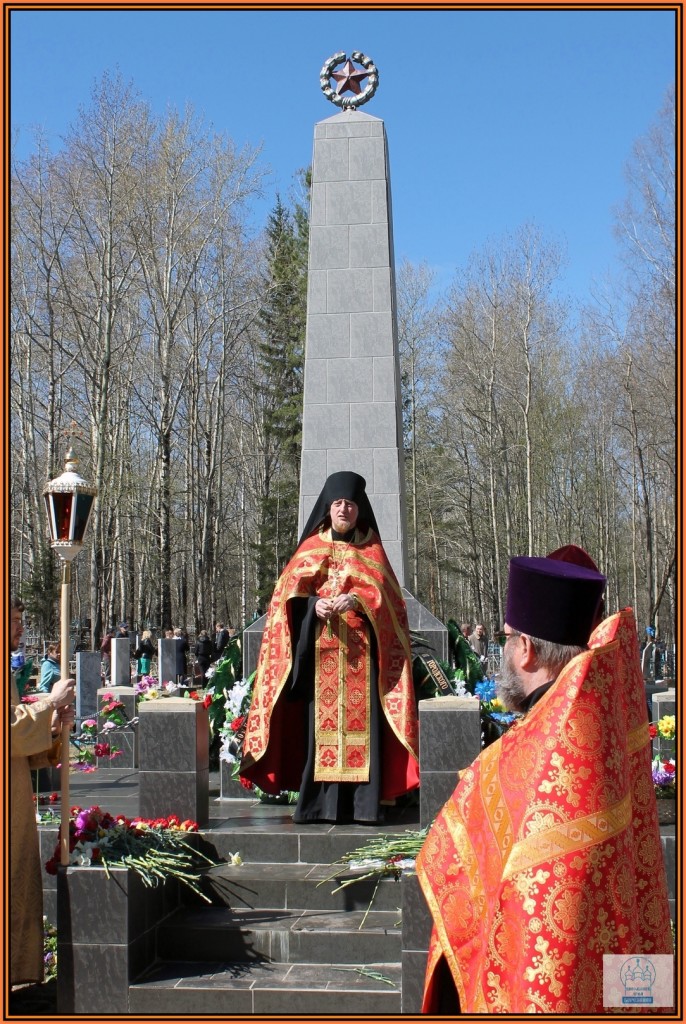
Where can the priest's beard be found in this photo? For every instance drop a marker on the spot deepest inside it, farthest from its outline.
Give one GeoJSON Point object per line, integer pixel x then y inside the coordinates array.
{"type": "Point", "coordinates": [509, 686]}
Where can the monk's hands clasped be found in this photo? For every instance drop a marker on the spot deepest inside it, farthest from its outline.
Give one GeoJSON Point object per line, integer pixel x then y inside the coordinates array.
{"type": "Point", "coordinates": [344, 603]}
{"type": "Point", "coordinates": [324, 609]}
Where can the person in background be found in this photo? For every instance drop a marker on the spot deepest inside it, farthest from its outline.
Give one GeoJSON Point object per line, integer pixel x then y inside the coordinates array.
{"type": "Point", "coordinates": [50, 669]}
{"type": "Point", "coordinates": [333, 711]}
{"type": "Point", "coordinates": [182, 649]}
{"type": "Point", "coordinates": [221, 639]}
{"type": "Point", "coordinates": [122, 631]}
{"type": "Point", "coordinates": [466, 629]}
{"type": "Point", "coordinates": [204, 649]}
{"type": "Point", "coordinates": [648, 656]}
{"type": "Point", "coordinates": [478, 641]}
{"type": "Point", "coordinates": [144, 653]}
{"type": "Point", "coordinates": [106, 654]}
{"type": "Point", "coordinates": [548, 853]}
{"type": "Point", "coordinates": [34, 743]}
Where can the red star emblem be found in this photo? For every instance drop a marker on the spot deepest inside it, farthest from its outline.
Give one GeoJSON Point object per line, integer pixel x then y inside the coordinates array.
{"type": "Point", "coordinates": [349, 78]}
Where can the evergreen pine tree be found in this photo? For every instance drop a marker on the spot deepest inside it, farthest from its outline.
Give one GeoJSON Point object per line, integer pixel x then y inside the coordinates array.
{"type": "Point", "coordinates": [282, 350]}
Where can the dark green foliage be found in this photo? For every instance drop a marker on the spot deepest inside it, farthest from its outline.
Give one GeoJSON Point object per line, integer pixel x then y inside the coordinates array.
{"type": "Point", "coordinates": [463, 657]}
{"type": "Point", "coordinates": [40, 593]}
{"type": "Point", "coordinates": [282, 352]}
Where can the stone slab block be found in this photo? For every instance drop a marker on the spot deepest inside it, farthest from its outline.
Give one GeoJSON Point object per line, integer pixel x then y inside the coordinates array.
{"type": "Point", "coordinates": [367, 158]}
{"type": "Point", "coordinates": [330, 160]}
{"type": "Point", "coordinates": [230, 788]}
{"type": "Point", "coordinates": [326, 426]}
{"type": "Point", "coordinates": [316, 291]}
{"type": "Point", "coordinates": [413, 973]}
{"type": "Point", "coordinates": [349, 291]}
{"type": "Point", "coordinates": [172, 792]}
{"type": "Point", "coordinates": [349, 202]}
{"type": "Point", "coordinates": [350, 380]}
{"type": "Point", "coordinates": [449, 733]}
{"type": "Point", "coordinates": [327, 336]}
{"type": "Point", "coordinates": [384, 379]}
{"type": "Point", "coordinates": [381, 289]}
{"type": "Point", "coordinates": [369, 245]}
{"type": "Point", "coordinates": [88, 682]}
{"type": "Point", "coordinates": [329, 247]}
{"type": "Point", "coordinates": [121, 661]}
{"type": "Point", "coordinates": [387, 467]}
{"type": "Point", "coordinates": [318, 203]}
{"type": "Point", "coordinates": [387, 511]}
{"type": "Point", "coordinates": [374, 422]}
{"type": "Point", "coordinates": [316, 371]}
{"type": "Point", "coordinates": [371, 334]}
{"type": "Point", "coordinates": [174, 735]}
{"type": "Point", "coordinates": [434, 790]}
{"type": "Point", "coordinates": [357, 460]}
{"type": "Point", "coordinates": [380, 204]}
{"type": "Point", "coordinates": [313, 473]}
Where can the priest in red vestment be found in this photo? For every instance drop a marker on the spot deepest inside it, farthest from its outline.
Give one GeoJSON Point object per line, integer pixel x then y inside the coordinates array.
{"type": "Point", "coordinates": [333, 711]}
{"type": "Point", "coordinates": [548, 855]}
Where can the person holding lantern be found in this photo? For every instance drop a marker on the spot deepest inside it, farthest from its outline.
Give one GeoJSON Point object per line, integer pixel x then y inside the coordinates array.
{"type": "Point", "coordinates": [34, 743]}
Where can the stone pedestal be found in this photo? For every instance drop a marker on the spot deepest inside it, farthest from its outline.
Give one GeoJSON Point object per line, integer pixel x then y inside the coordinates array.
{"type": "Point", "coordinates": [449, 740]}
{"type": "Point", "coordinates": [125, 739]}
{"type": "Point", "coordinates": [231, 788]}
{"type": "Point", "coordinates": [121, 661]}
{"type": "Point", "coordinates": [88, 682]}
{"type": "Point", "coordinates": [174, 764]}
{"type": "Point", "coordinates": [106, 936]}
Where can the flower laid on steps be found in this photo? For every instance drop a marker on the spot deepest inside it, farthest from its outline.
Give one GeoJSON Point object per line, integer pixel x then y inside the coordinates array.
{"type": "Point", "coordinates": [384, 856]}
{"type": "Point", "coordinates": [154, 848]}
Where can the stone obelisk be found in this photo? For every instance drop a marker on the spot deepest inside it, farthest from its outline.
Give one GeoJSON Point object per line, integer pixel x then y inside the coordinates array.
{"type": "Point", "coordinates": [351, 408]}
{"type": "Point", "coordinates": [352, 412]}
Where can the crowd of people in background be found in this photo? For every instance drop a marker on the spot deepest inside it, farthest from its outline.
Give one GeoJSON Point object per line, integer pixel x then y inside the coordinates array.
{"type": "Point", "coordinates": [204, 652]}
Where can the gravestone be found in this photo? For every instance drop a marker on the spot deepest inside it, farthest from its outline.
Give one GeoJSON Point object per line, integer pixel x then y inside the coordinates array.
{"type": "Point", "coordinates": [166, 660]}
{"type": "Point", "coordinates": [88, 682]}
{"type": "Point", "coordinates": [121, 661]}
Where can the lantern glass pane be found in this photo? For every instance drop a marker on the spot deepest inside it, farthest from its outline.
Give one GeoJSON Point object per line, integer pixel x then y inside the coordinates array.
{"type": "Point", "coordinates": [83, 511]}
{"type": "Point", "coordinates": [62, 506]}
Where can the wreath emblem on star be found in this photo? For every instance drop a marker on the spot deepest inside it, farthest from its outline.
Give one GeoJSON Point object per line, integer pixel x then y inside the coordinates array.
{"type": "Point", "coordinates": [349, 79]}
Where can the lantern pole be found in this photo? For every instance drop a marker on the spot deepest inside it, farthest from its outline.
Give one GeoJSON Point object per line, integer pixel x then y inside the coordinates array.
{"type": "Point", "coordinates": [65, 811]}
{"type": "Point", "coordinates": [68, 501]}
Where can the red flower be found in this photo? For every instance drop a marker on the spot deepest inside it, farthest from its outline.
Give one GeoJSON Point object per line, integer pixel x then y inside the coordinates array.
{"type": "Point", "coordinates": [194, 695]}
{"type": "Point", "coordinates": [245, 783]}
{"type": "Point", "coordinates": [189, 826]}
{"type": "Point", "coordinates": [101, 750]}
{"type": "Point", "coordinates": [668, 767]}
{"type": "Point", "coordinates": [207, 700]}
{"type": "Point", "coordinates": [652, 730]}
{"type": "Point", "coordinates": [53, 798]}
{"type": "Point", "coordinates": [237, 723]}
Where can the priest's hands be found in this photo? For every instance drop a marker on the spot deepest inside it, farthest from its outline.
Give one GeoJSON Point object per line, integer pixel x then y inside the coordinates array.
{"type": "Point", "coordinates": [326, 607]}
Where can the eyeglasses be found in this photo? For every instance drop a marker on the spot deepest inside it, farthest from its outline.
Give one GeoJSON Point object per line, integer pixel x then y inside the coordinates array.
{"type": "Point", "coordinates": [503, 637]}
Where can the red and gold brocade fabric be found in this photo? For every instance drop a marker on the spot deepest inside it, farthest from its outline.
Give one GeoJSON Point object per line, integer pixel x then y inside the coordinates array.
{"type": "Point", "coordinates": [274, 746]}
{"type": "Point", "coordinates": [548, 853]}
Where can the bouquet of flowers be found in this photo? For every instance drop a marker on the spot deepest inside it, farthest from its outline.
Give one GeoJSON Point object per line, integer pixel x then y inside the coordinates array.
{"type": "Point", "coordinates": [664, 766]}
{"type": "Point", "coordinates": [664, 778]}
{"type": "Point", "coordinates": [495, 718]}
{"type": "Point", "coordinates": [236, 707]}
{"type": "Point", "coordinates": [154, 848]}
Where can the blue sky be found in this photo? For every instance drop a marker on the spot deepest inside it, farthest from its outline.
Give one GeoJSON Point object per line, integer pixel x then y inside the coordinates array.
{"type": "Point", "coordinates": [494, 118]}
